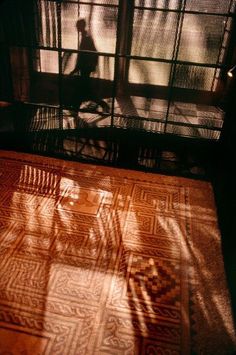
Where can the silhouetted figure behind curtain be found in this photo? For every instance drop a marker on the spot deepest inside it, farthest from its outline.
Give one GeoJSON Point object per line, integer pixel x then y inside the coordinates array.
{"type": "Point", "coordinates": [86, 62]}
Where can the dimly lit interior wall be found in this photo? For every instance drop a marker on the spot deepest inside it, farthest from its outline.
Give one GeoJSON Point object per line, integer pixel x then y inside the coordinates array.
{"type": "Point", "coordinates": [224, 182]}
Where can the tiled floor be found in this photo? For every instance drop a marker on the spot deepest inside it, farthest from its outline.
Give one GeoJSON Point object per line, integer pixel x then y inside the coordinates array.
{"type": "Point", "coordinates": [97, 260]}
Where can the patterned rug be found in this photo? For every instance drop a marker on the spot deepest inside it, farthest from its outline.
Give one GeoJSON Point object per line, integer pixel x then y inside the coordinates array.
{"type": "Point", "coordinates": [96, 260]}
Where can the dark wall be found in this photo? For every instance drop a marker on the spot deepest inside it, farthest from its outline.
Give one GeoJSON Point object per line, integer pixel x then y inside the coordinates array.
{"type": "Point", "coordinates": [17, 29]}
{"type": "Point", "coordinates": [224, 182]}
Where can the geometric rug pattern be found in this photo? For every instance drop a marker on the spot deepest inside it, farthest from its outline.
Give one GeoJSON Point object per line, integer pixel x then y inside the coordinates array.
{"type": "Point", "coordinates": [98, 260]}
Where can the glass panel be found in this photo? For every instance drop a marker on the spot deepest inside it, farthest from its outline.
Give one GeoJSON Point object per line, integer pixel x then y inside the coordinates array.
{"type": "Point", "coordinates": [193, 77]}
{"type": "Point", "coordinates": [101, 67]}
{"type": "Point", "coordinates": [161, 4]}
{"type": "Point", "coordinates": [208, 6]}
{"type": "Point", "coordinates": [148, 72]}
{"type": "Point", "coordinates": [183, 112]}
{"type": "Point", "coordinates": [188, 112]}
{"type": "Point", "coordinates": [48, 61]}
{"type": "Point", "coordinates": [44, 118]}
{"type": "Point", "coordinates": [144, 107]}
{"type": "Point", "coordinates": [151, 30]}
{"type": "Point", "coordinates": [138, 124]}
{"type": "Point", "coordinates": [100, 25]}
{"type": "Point", "coordinates": [102, 2]}
{"type": "Point", "coordinates": [105, 68]}
{"type": "Point", "coordinates": [47, 23]}
{"type": "Point", "coordinates": [201, 38]}
{"type": "Point", "coordinates": [69, 18]}
{"type": "Point", "coordinates": [192, 132]}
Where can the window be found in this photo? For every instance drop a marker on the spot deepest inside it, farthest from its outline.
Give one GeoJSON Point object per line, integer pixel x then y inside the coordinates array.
{"type": "Point", "coordinates": [160, 63]}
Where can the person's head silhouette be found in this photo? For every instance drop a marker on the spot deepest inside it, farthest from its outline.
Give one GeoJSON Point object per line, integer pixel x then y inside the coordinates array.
{"type": "Point", "coordinates": [81, 26]}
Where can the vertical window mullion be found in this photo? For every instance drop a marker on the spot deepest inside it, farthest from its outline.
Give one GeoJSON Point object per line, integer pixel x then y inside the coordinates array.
{"type": "Point", "coordinates": [123, 48]}
{"type": "Point", "coordinates": [59, 40]}
{"type": "Point", "coordinates": [182, 6]}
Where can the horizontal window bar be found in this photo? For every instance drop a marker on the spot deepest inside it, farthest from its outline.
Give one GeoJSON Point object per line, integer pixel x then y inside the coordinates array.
{"type": "Point", "coordinates": [118, 55]}
{"type": "Point", "coordinates": [83, 3]}
{"type": "Point", "coordinates": [228, 14]}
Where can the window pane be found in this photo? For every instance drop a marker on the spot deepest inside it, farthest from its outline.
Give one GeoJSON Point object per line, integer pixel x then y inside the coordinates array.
{"type": "Point", "coordinates": [147, 72]}
{"type": "Point", "coordinates": [103, 70]}
{"type": "Point", "coordinates": [138, 124]}
{"type": "Point", "coordinates": [188, 112]}
{"type": "Point", "coordinates": [162, 4]}
{"type": "Point", "coordinates": [48, 32]}
{"type": "Point", "coordinates": [139, 106]}
{"type": "Point", "coordinates": [201, 38]}
{"type": "Point", "coordinates": [192, 132]}
{"type": "Point", "coordinates": [69, 17]}
{"type": "Point", "coordinates": [106, 2]}
{"type": "Point", "coordinates": [101, 25]}
{"type": "Point", "coordinates": [48, 61]}
{"type": "Point", "coordinates": [208, 6]}
{"type": "Point", "coordinates": [193, 77]}
{"type": "Point", "coordinates": [44, 118]}
{"type": "Point", "coordinates": [151, 30]}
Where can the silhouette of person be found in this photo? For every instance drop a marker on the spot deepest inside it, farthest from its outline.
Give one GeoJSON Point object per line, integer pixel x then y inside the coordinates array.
{"type": "Point", "coordinates": [86, 62]}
